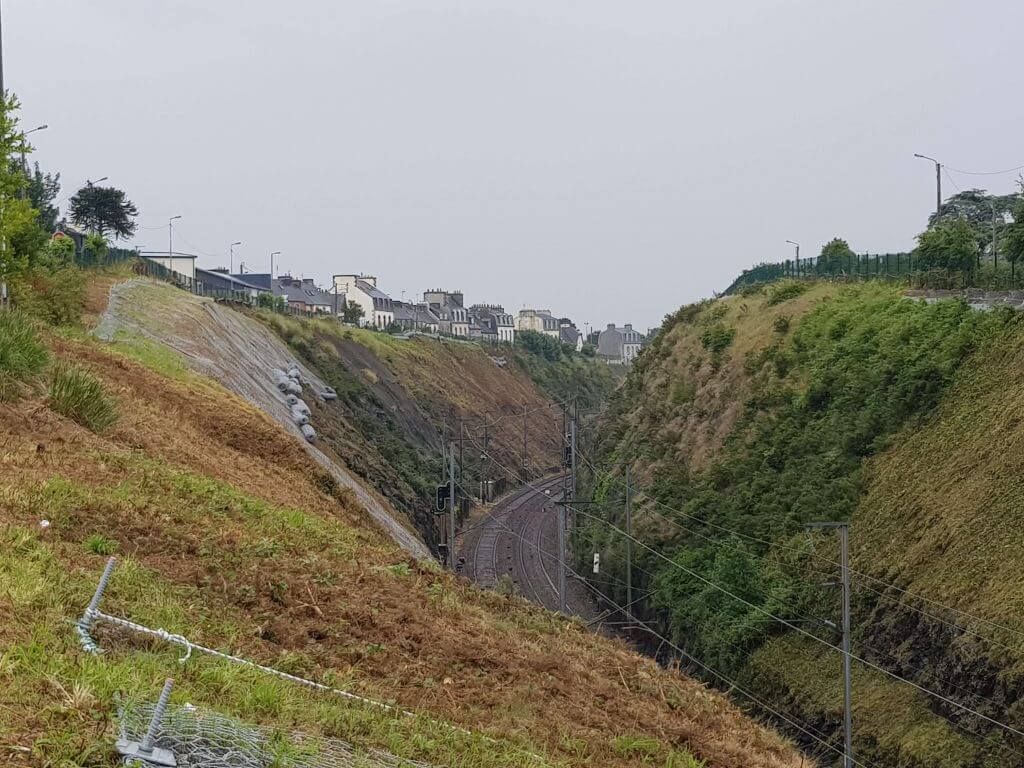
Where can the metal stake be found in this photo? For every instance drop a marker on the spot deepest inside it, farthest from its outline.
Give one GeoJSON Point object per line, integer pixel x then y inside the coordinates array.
{"type": "Point", "coordinates": [146, 749]}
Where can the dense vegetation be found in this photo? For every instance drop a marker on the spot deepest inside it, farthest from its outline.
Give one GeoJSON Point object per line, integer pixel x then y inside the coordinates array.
{"type": "Point", "coordinates": [976, 240]}
{"type": "Point", "coordinates": [561, 372]}
{"type": "Point", "coordinates": [822, 393]}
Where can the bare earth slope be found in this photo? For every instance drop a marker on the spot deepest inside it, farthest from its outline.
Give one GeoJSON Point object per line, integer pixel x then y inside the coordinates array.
{"type": "Point", "coordinates": [240, 353]}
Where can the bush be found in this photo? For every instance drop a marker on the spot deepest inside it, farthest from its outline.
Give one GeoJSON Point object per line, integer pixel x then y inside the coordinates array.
{"type": "Point", "coordinates": [22, 354]}
{"type": "Point", "coordinates": [781, 324]}
{"type": "Point", "coordinates": [540, 344]}
{"type": "Point", "coordinates": [55, 296]}
{"type": "Point", "coordinates": [785, 291]}
{"type": "Point", "coordinates": [717, 338]}
{"type": "Point", "coordinates": [78, 394]}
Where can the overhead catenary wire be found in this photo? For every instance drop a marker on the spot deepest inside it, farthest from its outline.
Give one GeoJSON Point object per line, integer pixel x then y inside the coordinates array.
{"type": "Point", "coordinates": [782, 545]}
{"type": "Point", "coordinates": [815, 638]}
{"type": "Point", "coordinates": [664, 639]}
{"type": "Point", "coordinates": [986, 173]}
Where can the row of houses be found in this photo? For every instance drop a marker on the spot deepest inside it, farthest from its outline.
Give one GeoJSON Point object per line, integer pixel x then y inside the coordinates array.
{"type": "Point", "coordinates": [440, 311]}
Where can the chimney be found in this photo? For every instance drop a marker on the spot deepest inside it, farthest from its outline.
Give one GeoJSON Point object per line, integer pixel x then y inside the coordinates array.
{"type": "Point", "coordinates": [629, 326]}
{"type": "Point", "coordinates": [611, 326]}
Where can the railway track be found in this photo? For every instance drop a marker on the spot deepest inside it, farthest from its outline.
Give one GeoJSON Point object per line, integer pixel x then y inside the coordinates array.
{"type": "Point", "coordinates": [518, 539]}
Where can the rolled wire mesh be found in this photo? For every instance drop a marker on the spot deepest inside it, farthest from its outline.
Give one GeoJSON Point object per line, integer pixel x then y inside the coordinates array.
{"type": "Point", "coordinates": [199, 737]}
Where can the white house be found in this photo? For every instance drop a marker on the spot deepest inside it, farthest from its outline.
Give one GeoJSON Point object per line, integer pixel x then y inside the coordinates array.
{"type": "Point", "coordinates": [539, 320]}
{"type": "Point", "coordinates": [182, 263]}
{"type": "Point", "coordinates": [378, 308]}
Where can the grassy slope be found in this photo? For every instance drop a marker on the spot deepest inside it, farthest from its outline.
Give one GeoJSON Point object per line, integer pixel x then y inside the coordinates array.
{"type": "Point", "coordinates": [232, 536]}
{"type": "Point", "coordinates": [934, 520]}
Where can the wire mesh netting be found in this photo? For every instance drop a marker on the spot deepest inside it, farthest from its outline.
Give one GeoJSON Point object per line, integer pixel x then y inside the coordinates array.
{"type": "Point", "coordinates": [199, 737]}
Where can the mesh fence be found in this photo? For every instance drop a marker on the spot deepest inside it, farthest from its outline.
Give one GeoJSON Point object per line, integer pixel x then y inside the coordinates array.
{"type": "Point", "coordinates": [202, 738]}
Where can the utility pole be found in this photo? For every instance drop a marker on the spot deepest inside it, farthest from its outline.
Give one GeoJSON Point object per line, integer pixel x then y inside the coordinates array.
{"type": "Point", "coordinates": [451, 507]}
{"type": "Point", "coordinates": [844, 566]}
{"type": "Point", "coordinates": [484, 464]}
{"type": "Point", "coordinates": [561, 557]}
{"type": "Point", "coordinates": [462, 444]}
{"type": "Point", "coordinates": [572, 448]}
{"type": "Point", "coordinates": [995, 254]}
{"type": "Point", "coordinates": [629, 549]}
{"type": "Point", "coordinates": [525, 475]}
{"type": "Point", "coordinates": [938, 183]}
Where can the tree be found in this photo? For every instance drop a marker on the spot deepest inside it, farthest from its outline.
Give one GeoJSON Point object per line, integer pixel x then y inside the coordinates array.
{"type": "Point", "coordinates": [19, 234]}
{"type": "Point", "coordinates": [976, 207]}
{"type": "Point", "coordinates": [949, 245]}
{"type": "Point", "coordinates": [540, 344]}
{"type": "Point", "coordinates": [836, 256]}
{"type": "Point", "coordinates": [43, 189]}
{"type": "Point", "coordinates": [352, 313]}
{"type": "Point", "coordinates": [1013, 242]}
{"type": "Point", "coordinates": [103, 210]}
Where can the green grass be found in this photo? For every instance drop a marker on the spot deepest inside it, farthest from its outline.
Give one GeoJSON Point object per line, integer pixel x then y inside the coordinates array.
{"type": "Point", "coordinates": [78, 395]}
{"type": "Point", "coordinates": [22, 354]}
{"type": "Point", "coordinates": [43, 671]}
{"type": "Point", "coordinates": [157, 357]}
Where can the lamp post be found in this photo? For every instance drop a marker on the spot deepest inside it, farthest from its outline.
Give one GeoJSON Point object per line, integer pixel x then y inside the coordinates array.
{"type": "Point", "coordinates": [24, 165]}
{"type": "Point", "coordinates": [793, 242]}
{"type": "Point", "coordinates": [938, 183]}
{"type": "Point", "coordinates": [170, 236]}
{"type": "Point", "coordinates": [231, 256]}
{"type": "Point", "coordinates": [272, 255]}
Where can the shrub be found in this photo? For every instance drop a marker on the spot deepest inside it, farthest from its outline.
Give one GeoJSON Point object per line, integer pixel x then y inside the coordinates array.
{"type": "Point", "coordinates": [22, 354]}
{"type": "Point", "coordinates": [55, 296]}
{"type": "Point", "coordinates": [781, 324]}
{"type": "Point", "coordinates": [785, 291]}
{"type": "Point", "coordinates": [717, 338]}
{"type": "Point", "coordinates": [78, 394]}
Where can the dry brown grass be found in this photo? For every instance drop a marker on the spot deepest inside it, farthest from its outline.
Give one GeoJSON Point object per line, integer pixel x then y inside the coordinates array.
{"type": "Point", "coordinates": [426, 639]}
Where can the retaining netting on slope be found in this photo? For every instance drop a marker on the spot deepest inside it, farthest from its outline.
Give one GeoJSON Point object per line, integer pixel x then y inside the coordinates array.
{"type": "Point", "coordinates": [198, 737]}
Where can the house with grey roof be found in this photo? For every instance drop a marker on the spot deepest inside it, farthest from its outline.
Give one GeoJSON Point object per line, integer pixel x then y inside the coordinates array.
{"type": "Point", "coordinates": [539, 320]}
{"type": "Point", "coordinates": [378, 307]}
{"type": "Point", "coordinates": [450, 308]}
{"type": "Point", "coordinates": [496, 325]}
{"type": "Point", "coordinates": [569, 334]}
{"type": "Point", "coordinates": [219, 284]}
{"type": "Point", "coordinates": [301, 294]}
{"type": "Point", "coordinates": [414, 316]}
{"type": "Point", "coordinates": [620, 345]}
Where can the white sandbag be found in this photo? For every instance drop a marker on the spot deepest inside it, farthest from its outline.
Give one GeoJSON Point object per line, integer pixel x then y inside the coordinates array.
{"type": "Point", "coordinates": [300, 418]}
{"type": "Point", "coordinates": [291, 399]}
{"type": "Point", "coordinates": [308, 432]}
{"type": "Point", "coordinates": [294, 373]}
{"type": "Point", "coordinates": [300, 405]}
{"type": "Point", "coordinates": [328, 393]}
{"type": "Point", "coordinates": [293, 388]}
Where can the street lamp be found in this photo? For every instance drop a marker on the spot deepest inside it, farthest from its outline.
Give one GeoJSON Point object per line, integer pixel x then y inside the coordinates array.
{"type": "Point", "coordinates": [272, 255]}
{"type": "Point", "coordinates": [170, 236]}
{"type": "Point", "coordinates": [231, 257]}
{"type": "Point", "coordinates": [793, 242]}
{"type": "Point", "coordinates": [24, 165]}
{"type": "Point", "coordinates": [938, 183]}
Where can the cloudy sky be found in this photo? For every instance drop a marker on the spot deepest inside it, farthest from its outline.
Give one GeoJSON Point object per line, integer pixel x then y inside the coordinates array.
{"type": "Point", "coordinates": [607, 160]}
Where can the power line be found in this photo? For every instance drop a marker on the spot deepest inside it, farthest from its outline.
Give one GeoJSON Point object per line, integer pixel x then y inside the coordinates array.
{"type": "Point", "coordinates": [804, 632]}
{"type": "Point", "coordinates": [985, 173]}
{"type": "Point", "coordinates": [781, 545]}
{"type": "Point", "coordinates": [733, 685]}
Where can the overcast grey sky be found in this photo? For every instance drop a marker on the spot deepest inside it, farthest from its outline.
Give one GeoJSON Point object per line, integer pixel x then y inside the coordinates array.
{"type": "Point", "coordinates": [607, 160]}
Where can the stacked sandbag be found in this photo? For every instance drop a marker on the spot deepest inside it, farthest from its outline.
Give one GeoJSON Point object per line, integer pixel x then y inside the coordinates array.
{"type": "Point", "coordinates": [308, 432]}
{"type": "Point", "coordinates": [328, 393]}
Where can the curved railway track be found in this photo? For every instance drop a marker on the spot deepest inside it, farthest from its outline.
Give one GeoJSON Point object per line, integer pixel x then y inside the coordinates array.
{"type": "Point", "coordinates": [519, 539]}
